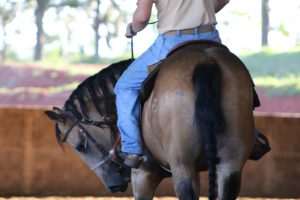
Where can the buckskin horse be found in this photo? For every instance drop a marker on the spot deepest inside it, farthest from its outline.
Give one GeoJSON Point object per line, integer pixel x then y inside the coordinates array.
{"type": "Point", "coordinates": [199, 116]}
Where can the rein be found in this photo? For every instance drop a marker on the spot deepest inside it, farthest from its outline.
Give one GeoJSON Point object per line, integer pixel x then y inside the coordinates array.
{"type": "Point", "coordinates": [106, 121]}
{"type": "Point", "coordinates": [111, 154]}
{"type": "Point", "coordinates": [131, 45]}
{"type": "Point", "coordinates": [131, 41]}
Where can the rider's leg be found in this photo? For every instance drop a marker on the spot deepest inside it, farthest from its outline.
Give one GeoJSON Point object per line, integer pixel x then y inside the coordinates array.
{"type": "Point", "coordinates": [128, 104]}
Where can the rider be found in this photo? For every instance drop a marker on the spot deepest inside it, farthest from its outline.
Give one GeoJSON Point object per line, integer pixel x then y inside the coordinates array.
{"type": "Point", "coordinates": [178, 21]}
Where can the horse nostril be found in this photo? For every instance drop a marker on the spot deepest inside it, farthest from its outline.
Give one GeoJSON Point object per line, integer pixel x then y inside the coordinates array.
{"type": "Point", "coordinates": [118, 188]}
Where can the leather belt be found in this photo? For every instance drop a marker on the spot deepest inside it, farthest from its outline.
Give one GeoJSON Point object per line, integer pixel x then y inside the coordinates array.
{"type": "Point", "coordinates": [197, 30]}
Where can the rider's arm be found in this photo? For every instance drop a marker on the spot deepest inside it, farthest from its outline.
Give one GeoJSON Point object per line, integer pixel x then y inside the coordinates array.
{"type": "Point", "coordinates": [141, 15]}
{"type": "Point", "coordinates": [219, 4]}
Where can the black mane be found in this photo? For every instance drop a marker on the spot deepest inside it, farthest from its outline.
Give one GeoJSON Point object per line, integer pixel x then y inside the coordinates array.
{"type": "Point", "coordinates": [97, 89]}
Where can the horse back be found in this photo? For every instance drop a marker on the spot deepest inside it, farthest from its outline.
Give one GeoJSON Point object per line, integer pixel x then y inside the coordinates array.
{"type": "Point", "coordinates": [168, 116]}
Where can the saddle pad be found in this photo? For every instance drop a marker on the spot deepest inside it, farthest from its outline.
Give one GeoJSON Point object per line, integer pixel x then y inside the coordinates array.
{"type": "Point", "coordinates": [174, 49]}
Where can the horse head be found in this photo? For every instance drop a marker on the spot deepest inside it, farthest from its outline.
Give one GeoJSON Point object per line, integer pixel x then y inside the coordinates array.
{"type": "Point", "coordinates": [95, 144]}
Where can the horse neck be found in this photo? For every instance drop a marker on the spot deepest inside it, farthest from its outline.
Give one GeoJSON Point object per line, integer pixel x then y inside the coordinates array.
{"type": "Point", "coordinates": [95, 95]}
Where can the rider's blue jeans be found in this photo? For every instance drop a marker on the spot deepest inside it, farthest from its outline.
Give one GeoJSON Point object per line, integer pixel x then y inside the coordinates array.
{"type": "Point", "coordinates": [127, 87]}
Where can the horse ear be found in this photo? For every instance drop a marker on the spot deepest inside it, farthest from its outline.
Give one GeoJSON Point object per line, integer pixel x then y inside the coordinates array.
{"type": "Point", "coordinates": [57, 110]}
{"type": "Point", "coordinates": [55, 116]}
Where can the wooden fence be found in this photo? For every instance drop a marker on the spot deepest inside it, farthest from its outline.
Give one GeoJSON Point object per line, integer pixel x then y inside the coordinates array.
{"type": "Point", "coordinates": [31, 162]}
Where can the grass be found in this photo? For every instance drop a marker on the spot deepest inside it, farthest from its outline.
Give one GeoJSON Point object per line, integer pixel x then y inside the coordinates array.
{"type": "Point", "coordinates": [278, 73]}
{"type": "Point", "coordinates": [40, 90]}
{"type": "Point", "coordinates": [71, 69]}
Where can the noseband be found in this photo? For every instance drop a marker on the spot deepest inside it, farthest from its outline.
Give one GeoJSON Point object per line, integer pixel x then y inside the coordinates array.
{"type": "Point", "coordinates": [111, 154]}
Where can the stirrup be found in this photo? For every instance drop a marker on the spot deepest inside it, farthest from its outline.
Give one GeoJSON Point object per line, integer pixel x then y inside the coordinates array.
{"type": "Point", "coordinates": [261, 147]}
{"type": "Point", "coordinates": [131, 160]}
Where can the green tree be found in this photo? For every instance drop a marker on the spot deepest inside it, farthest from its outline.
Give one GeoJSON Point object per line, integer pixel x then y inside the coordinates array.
{"type": "Point", "coordinates": [7, 13]}
{"type": "Point", "coordinates": [96, 26]}
{"type": "Point", "coordinates": [265, 22]}
{"type": "Point", "coordinates": [41, 6]}
{"type": "Point", "coordinates": [111, 19]}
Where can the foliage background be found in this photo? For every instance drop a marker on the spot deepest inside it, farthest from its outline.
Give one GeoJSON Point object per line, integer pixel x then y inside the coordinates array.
{"type": "Point", "coordinates": [49, 46]}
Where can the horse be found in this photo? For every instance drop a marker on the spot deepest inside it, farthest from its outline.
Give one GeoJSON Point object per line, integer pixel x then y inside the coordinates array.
{"type": "Point", "coordinates": [198, 117]}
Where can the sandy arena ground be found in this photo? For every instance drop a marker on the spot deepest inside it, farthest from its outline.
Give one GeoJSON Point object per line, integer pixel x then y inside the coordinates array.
{"type": "Point", "coordinates": [118, 198]}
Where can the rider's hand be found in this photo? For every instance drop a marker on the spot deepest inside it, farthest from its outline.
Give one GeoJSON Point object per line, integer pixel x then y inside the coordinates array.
{"type": "Point", "coordinates": [129, 32]}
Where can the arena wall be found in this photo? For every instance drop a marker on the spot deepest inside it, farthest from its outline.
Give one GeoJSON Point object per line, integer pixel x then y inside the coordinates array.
{"type": "Point", "coordinates": [32, 163]}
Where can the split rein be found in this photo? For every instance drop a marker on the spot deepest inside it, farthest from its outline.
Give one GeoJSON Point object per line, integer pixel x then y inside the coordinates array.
{"type": "Point", "coordinates": [131, 41]}
{"type": "Point", "coordinates": [111, 154]}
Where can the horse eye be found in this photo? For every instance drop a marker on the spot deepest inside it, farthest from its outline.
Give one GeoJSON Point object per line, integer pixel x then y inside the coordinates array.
{"type": "Point", "coordinates": [83, 144]}
{"type": "Point", "coordinates": [81, 147]}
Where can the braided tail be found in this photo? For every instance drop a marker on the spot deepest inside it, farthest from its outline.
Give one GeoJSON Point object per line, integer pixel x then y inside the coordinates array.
{"type": "Point", "coordinates": [208, 115]}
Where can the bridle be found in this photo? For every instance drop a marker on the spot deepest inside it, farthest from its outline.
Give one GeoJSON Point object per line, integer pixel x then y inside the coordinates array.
{"type": "Point", "coordinates": [111, 154]}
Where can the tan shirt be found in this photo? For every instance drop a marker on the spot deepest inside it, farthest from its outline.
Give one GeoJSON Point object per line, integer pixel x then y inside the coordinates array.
{"type": "Point", "coordinates": [184, 14]}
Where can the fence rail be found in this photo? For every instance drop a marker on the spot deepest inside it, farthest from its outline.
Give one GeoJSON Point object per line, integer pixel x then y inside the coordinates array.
{"type": "Point", "coordinates": [31, 162]}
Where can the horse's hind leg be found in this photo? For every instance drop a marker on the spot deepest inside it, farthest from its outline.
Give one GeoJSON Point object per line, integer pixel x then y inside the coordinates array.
{"type": "Point", "coordinates": [186, 182]}
{"type": "Point", "coordinates": [229, 181]}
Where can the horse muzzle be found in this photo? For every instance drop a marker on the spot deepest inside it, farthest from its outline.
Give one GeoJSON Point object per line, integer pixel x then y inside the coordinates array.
{"type": "Point", "coordinates": [118, 188]}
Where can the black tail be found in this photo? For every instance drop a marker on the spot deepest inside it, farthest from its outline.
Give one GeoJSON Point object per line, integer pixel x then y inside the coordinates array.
{"type": "Point", "coordinates": [208, 113]}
